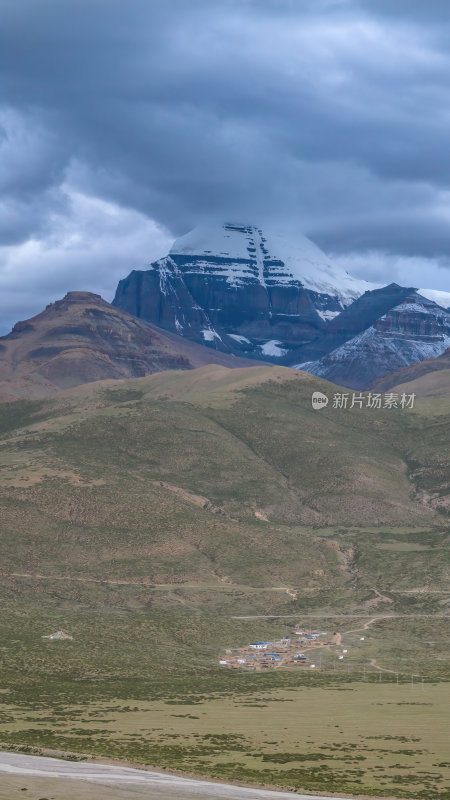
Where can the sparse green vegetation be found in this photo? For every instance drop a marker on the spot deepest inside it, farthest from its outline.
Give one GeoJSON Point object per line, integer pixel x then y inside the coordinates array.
{"type": "Point", "coordinates": [158, 532]}
{"type": "Point", "coordinates": [319, 736]}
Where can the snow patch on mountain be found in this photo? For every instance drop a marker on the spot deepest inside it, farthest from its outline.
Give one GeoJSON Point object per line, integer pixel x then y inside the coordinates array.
{"type": "Point", "coordinates": [413, 308]}
{"type": "Point", "coordinates": [240, 339]}
{"type": "Point", "coordinates": [327, 315]}
{"type": "Point", "coordinates": [423, 306]}
{"type": "Point", "coordinates": [437, 296]}
{"type": "Point", "coordinates": [209, 335]}
{"type": "Point", "coordinates": [273, 348]}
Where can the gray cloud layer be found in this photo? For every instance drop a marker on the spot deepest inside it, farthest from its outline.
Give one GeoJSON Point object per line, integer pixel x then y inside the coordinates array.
{"type": "Point", "coordinates": [333, 113]}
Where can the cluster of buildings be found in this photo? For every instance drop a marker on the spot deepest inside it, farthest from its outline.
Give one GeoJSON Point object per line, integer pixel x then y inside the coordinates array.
{"type": "Point", "coordinates": [269, 655]}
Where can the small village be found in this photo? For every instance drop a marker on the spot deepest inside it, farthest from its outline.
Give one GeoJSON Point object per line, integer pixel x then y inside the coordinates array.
{"type": "Point", "coordinates": [300, 648]}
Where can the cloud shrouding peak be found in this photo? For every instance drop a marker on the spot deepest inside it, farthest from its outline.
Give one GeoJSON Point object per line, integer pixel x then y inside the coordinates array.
{"type": "Point", "coordinates": [332, 114]}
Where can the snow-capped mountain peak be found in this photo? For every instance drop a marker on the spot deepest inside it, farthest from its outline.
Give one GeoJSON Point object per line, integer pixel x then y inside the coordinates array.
{"type": "Point", "coordinates": [271, 294]}
{"type": "Point", "coordinates": [280, 258]}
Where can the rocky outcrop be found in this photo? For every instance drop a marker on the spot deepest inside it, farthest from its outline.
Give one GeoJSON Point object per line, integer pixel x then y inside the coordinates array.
{"type": "Point", "coordinates": [82, 338]}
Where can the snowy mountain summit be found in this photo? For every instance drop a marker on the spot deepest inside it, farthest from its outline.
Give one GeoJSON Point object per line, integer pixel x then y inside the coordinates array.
{"type": "Point", "coordinates": [244, 290]}
{"type": "Point", "coordinates": [241, 253]}
{"type": "Point", "coordinates": [275, 296]}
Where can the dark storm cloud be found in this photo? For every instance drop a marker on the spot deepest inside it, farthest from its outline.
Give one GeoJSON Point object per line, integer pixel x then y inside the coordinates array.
{"type": "Point", "coordinates": [332, 112]}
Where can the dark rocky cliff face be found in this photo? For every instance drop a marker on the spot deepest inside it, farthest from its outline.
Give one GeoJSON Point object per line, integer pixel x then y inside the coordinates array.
{"type": "Point", "coordinates": [365, 310]}
{"type": "Point", "coordinates": [235, 320]}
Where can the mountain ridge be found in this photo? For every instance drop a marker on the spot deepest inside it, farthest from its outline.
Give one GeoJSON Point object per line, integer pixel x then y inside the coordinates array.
{"type": "Point", "coordinates": [276, 296]}
{"type": "Point", "coordinates": [413, 330]}
{"type": "Point", "coordinates": [82, 338]}
{"type": "Point", "coordinates": [429, 377]}
{"type": "Point", "coordinates": [229, 294]}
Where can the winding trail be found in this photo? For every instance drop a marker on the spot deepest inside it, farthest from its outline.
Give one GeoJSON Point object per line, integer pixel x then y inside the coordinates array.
{"type": "Point", "coordinates": [149, 584]}
{"type": "Point", "coordinates": [368, 624]}
{"type": "Point", "coordinates": [373, 663]}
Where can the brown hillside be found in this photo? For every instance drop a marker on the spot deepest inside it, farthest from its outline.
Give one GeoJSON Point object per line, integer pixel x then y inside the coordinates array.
{"type": "Point", "coordinates": [430, 377]}
{"type": "Point", "coordinates": [82, 338]}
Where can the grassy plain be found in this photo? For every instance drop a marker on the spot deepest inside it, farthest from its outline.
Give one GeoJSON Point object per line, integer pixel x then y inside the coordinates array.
{"type": "Point", "coordinates": [161, 520]}
{"type": "Point", "coordinates": [313, 732]}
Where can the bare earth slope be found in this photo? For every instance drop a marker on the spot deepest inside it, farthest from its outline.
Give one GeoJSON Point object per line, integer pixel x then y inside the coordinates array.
{"type": "Point", "coordinates": [82, 338]}
{"type": "Point", "coordinates": [430, 377]}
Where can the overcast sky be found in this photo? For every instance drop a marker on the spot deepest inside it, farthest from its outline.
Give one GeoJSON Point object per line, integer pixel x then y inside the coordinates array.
{"type": "Point", "coordinates": [124, 124]}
